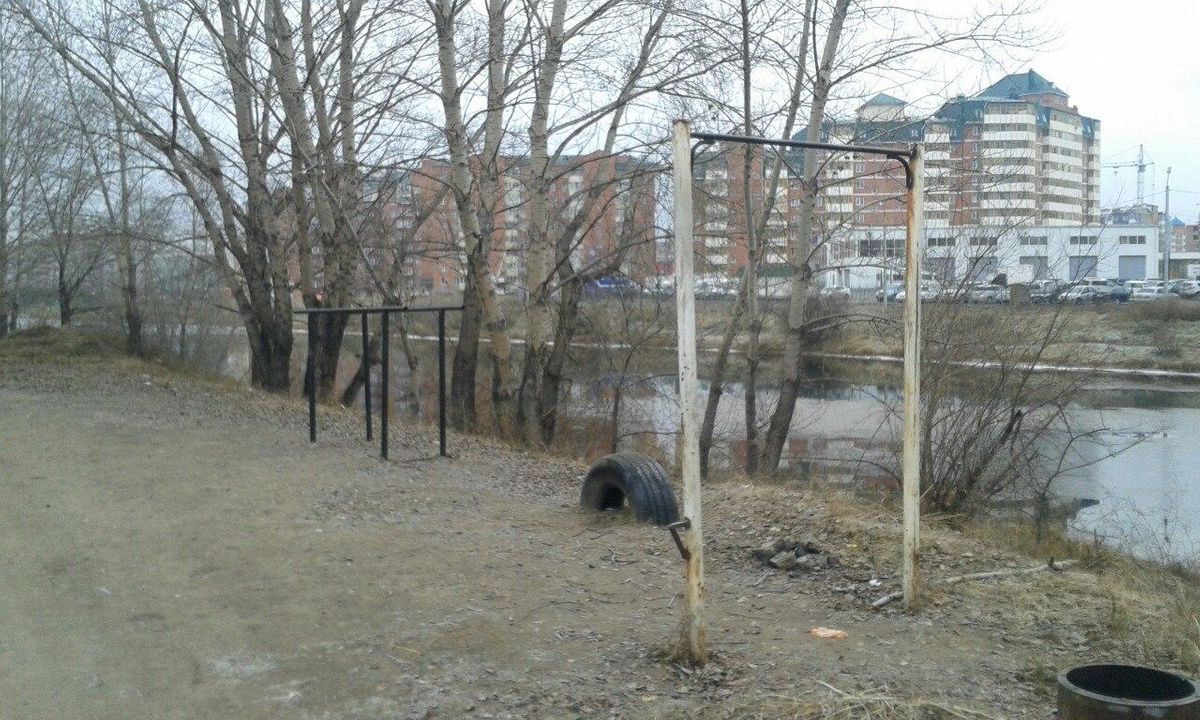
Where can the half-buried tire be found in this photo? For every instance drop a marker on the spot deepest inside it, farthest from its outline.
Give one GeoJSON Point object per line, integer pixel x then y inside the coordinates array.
{"type": "Point", "coordinates": [626, 477]}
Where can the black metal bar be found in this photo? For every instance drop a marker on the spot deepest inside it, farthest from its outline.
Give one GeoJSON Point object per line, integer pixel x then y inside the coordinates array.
{"type": "Point", "coordinates": [383, 402]}
{"type": "Point", "coordinates": [901, 156]}
{"type": "Point", "coordinates": [834, 147]}
{"type": "Point", "coordinates": [312, 373]}
{"type": "Point", "coordinates": [311, 379]}
{"type": "Point", "coordinates": [442, 383]}
{"type": "Point", "coordinates": [366, 363]}
{"type": "Point", "coordinates": [377, 310]}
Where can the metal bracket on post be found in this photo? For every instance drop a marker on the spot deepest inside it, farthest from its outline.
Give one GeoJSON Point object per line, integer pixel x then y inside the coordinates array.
{"type": "Point", "coordinates": [674, 528]}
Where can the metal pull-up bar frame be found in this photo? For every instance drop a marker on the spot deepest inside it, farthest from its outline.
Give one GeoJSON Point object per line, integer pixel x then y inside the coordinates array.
{"type": "Point", "coordinates": [694, 633]}
{"type": "Point", "coordinates": [385, 313]}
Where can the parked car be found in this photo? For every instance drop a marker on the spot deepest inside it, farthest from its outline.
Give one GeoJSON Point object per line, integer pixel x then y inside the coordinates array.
{"type": "Point", "coordinates": [888, 293]}
{"type": "Point", "coordinates": [614, 286]}
{"type": "Point", "coordinates": [987, 294]}
{"type": "Point", "coordinates": [1188, 289]}
{"type": "Point", "coordinates": [929, 293]}
{"type": "Point", "coordinates": [712, 286]}
{"type": "Point", "coordinates": [1044, 291]}
{"type": "Point", "coordinates": [1082, 293]}
{"type": "Point", "coordinates": [1145, 293]}
{"type": "Point", "coordinates": [1089, 290]}
{"type": "Point", "coordinates": [836, 292]}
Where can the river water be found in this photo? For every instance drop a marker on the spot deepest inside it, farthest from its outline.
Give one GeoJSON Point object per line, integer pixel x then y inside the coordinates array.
{"type": "Point", "coordinates": [1148, 495]}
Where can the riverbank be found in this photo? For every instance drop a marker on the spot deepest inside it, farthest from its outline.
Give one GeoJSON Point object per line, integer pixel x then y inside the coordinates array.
{"type": "Point", "coordinates": [180, 548]}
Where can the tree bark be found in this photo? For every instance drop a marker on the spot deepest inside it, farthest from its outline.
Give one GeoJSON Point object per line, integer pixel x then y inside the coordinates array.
{"type": "Point", "coordinates": [789, 390]}
{"type": "Point", "coordinates": [465, 369]}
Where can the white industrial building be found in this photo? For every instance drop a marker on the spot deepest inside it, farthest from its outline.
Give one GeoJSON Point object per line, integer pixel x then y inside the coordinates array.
{"type": "Point", "coordinates": [863, 258]}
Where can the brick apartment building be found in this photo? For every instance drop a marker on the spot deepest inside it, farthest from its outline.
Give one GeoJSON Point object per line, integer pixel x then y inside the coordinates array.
{"type": "Point", "coordinates": [413, 220]}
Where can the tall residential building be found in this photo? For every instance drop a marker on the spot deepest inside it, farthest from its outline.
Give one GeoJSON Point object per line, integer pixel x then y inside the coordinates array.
{"type": "Point", "coordinates": [1007, 171]}
{"type": "Point", "coordinates": [1014, 154]}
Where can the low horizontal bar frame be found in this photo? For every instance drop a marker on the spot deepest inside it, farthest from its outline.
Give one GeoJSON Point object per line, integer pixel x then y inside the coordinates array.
{"type": "Point", "coordinates": [377, 310]}
{"type": "Point", "coordinates": [385, 312]}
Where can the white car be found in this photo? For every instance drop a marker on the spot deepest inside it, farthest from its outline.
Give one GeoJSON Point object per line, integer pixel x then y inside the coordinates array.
{"type": "Point", "coordinates": [1147, 293]}
{"type": "Point", "coordinates": [987, 294]}
{"type": "Point", "coordinates": [929, 293]}
{"type": "Point", "coordinates": [836, 292]}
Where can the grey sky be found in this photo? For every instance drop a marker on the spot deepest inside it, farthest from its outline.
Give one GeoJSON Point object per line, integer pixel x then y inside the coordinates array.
{"type": "Point", "coordinates": [1136, 67]}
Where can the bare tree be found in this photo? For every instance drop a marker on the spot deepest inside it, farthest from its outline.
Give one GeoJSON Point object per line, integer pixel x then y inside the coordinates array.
{"type": "Point", "coordinates": [25, 142]}
{"type": "Point", "coordinates": [76, 252]}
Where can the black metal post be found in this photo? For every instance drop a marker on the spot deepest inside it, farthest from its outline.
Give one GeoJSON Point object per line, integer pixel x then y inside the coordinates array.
{"type": "Point", "coordinates": [312, 379]}
{"type": "Point", "coordinates": [366, 363]}
{"type": "Point", "coordinates": [442, 382]}
{"type": "Point", "coordinates": [387, 371]}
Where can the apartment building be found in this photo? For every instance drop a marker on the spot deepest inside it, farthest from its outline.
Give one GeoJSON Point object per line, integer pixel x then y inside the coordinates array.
{"type": "Point", "coordinates": [1012, 178]}
{"type": "Point", "coordinates": [413, 220]}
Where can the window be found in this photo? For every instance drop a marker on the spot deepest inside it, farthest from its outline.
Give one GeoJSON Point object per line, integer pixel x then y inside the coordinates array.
{"type": "Point", "coordinates": [858, 202]}
{"type": "Point", "coordinates": [860, 167]}
{"type": "Point", "coordinates": [1133, 239]}
{"type": "Point", "coordinates": [1083, 239]}
{"type": "Point", "coordinates": [986, 241]}
{"type": "Point", "coordinates": [1034, 240]}
{"type": "Point", "coordinates": [941, 242]}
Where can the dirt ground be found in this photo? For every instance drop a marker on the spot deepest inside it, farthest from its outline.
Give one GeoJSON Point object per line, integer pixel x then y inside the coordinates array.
{"type": "Point", "coordinates": [175, 548]}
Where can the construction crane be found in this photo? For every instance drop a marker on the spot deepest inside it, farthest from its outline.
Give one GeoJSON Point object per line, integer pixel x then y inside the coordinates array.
{"type": "Point", "coordinates": [1141, 166]}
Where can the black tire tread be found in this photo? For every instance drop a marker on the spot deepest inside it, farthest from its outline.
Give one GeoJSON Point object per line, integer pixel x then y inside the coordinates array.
{"type": "Point", "coordinates": [642, 480]}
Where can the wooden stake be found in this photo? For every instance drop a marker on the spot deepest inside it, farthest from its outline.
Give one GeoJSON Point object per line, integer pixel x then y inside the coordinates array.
{"type": "Point", "coordinates": [912, 379]}
{"type": "Point", "coordinates": [694, 640]}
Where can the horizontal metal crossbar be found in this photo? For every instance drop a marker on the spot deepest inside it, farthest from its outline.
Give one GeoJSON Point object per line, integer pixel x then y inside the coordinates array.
{"type": "Point", "coordinates": [376, 310]}
{"type": "Point", "coordinates": [901, 156]}
{"type": "Point", "coordinates": [835, 147]}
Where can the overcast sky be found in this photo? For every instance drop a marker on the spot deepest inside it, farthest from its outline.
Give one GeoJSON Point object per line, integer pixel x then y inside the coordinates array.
{"type": "Point", "coordinates": [1136, 67]}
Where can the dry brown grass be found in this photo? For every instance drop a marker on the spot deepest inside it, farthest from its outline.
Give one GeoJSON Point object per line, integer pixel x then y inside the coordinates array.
{"type": "Point", "coordinates": [836, 704]}
{"type": "Point", "coordinates": [1151, 609]}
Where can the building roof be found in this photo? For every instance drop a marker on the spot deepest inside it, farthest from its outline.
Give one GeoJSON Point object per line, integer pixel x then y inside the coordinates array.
{"type": "Point", "coordinates": [1015, 85]}
{"type": "Point", "coordinates": [883, 100]}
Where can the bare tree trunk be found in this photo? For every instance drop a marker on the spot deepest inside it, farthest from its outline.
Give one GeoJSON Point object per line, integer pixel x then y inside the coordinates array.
{"type": "Point", "coordinates": [465, 368]}
{"type": "Point", "coordinates": [65, 313]}
{"type": "Point", "coordinates": [7, 318]}
{"type": "Point", "coordinates": [126, 262]}
{"type": "Point", "coordinates": [789, 390]}
{"type": "Point", "coordinates": [750, 283]}
{"type": "Point", "coordinates": [716, 386]}
{"type": "Point", "coordinates": [747, 292]}
{"type": "Point", "coordinates": [538, 259]}
{"type": "Point", "coordinates": [360, 375]}
{"type": "Point", "coordinates": [554, 370]}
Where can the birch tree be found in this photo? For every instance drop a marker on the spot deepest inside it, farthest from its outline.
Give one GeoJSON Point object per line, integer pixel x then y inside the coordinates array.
{"type": "Point", "coordinates": [25, 142]}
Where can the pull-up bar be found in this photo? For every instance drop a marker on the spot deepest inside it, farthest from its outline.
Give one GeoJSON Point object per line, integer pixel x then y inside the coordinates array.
{"type": "Point", "coordinates": [694, 643]}
{"type": "Point", "coordinates": [904, 157]}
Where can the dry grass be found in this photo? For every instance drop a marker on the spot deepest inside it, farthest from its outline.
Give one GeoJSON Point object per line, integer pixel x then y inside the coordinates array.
{"type": "Point", "coordinates": [1152, 610]}
{"type": "Point", "coordinates": [47, 343]}
{"type": "Point", "coordinates": [836, 704]}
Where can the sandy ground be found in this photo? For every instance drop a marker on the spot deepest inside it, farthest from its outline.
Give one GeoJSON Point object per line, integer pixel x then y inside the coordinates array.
{"type": "Point", "coordinates": [174, 548]}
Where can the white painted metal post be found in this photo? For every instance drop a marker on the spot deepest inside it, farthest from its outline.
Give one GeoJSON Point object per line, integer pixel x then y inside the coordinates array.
{"type": "Point", "coordinates": [694, 641]}
{"type": "Point", "coordinates": [913, 245]}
